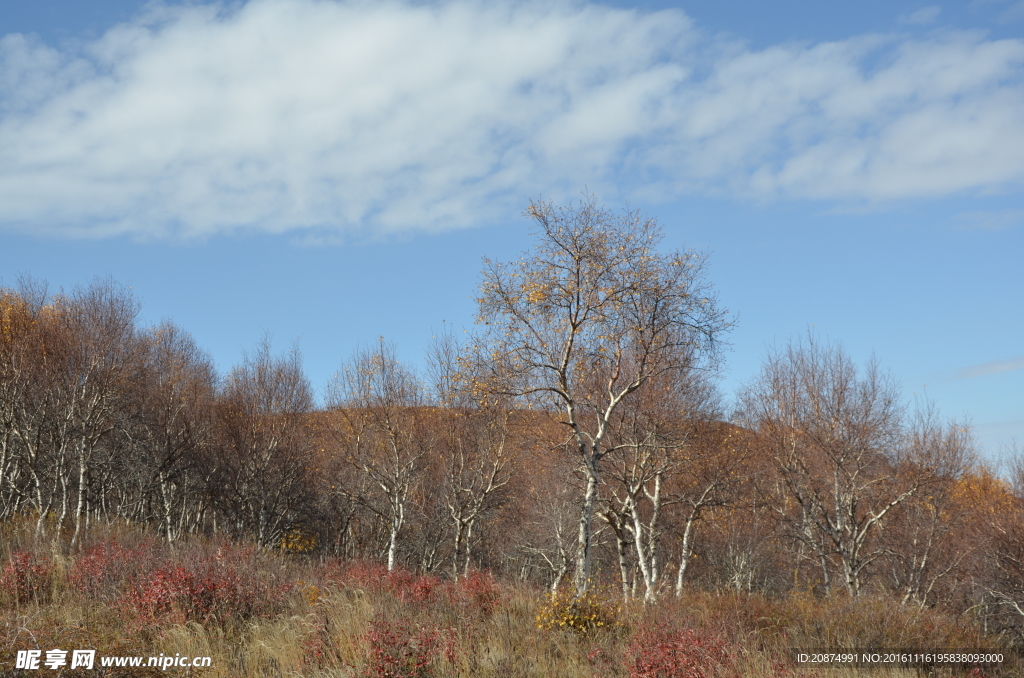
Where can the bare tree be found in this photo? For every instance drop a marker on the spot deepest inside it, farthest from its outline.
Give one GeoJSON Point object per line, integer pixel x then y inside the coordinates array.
{"type": "Point", "coordinates": [69, 364]}
{"type": "Point", "coordinates": [710, 477]}
{"type": "Point", "coordinates": [381, 433]}
{"type": "Point", "coordinates": [587, 319]}
{"type": "Point", "coordinates": [931, 535]}
{"type": "Point", "coordinates": [258, 477]}
{"type": "Point", "coordinates": [546, 520]}
{"type": "Point", "coordinates": [36, 433]}
{"type": "Point", "coordinates": [175, 429]}
{"type": "Point", "coordinates": [669, 466]}
{"type": "Point", "coordinates": [836, 434]}
{"type": "Point", "coordinates": [17, 325]}
{"type": "Point", "coordinates": [473, 440]}
{"type": "Point", "coordinates": [1000, 504]}
{"type": "Point", "coordinates": [104, 360]}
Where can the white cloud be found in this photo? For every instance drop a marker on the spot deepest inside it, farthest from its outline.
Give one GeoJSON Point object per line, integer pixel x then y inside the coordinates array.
{"type": "Point", "coordinates": [925, 15]}
{"type": "Point", "coordinates": [287, 114]}
{"type": "Point", "coordinates": [994, 367]}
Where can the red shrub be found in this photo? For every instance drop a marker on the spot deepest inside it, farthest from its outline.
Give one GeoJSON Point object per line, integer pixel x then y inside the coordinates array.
{"type": "Point", "coordinates": [102, 571]}
{"type": "Point", "coordinates": [676, 654]}
{"type": "Point", "coordinates": [477, 593]}
{"type": "Point", "coordinates": [375, 578]}
{"type": "Point", "coordinates": [359, 573]}
{"type": "Point", "coordinates": [205, 591]}
{"type": "Point", "coordinates": [316, 645]}
{"type": "Point", "coordinates": [26, 577]}
{"type": "Point", "coordinates": [419, 589]}
{"type": "Point", "coordinates": [398, 651]}
{"type": "Point", "coordinates": [603, 663]}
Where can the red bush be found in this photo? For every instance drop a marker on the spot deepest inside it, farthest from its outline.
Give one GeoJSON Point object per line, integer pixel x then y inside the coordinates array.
{"type": "Point", "coordinates": [376, 578]}
{"type": "Point", "coordinates": [477, 593]}
{"type": "Point", "coordinates": [26, 577]}
{"type": "Point", "coordinates": [676, 654]}
{"type": "Point", "coordinates": [316, 646]}
{"type": "Point", "coordinates": [104, 570]}
{"type": "Point", "coordinates": [366, 575]}
{"type": "Point", "coordinates": [207, 590]}
{"type": "Point", "coordinates": [398, 651]}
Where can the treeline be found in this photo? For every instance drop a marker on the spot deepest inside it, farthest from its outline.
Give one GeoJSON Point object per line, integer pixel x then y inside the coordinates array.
{"type": "Point", "coordinates": [559, 453]}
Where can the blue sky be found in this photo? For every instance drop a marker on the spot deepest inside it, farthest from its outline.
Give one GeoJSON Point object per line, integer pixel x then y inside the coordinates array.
{"type": "Point", "coordinates": [330, 172]}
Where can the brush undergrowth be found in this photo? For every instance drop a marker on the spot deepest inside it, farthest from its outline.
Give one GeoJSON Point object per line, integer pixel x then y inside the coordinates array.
{"type": "Point", "coordinates": [260, 613]}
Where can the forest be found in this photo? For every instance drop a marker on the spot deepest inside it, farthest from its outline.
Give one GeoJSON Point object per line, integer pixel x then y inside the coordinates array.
{"type": "Point", "coordinates": [570, 455]}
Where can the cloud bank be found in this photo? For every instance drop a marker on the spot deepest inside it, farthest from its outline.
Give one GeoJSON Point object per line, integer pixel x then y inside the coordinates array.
{"type": "Point", "coordinates": [283, 115]}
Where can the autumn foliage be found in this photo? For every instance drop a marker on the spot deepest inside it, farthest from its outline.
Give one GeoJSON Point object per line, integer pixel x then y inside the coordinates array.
{"type": "Point", "coordinates": [566, 471]}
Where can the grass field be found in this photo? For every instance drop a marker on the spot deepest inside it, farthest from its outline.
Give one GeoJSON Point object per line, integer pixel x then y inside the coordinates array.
{"type": "Point", "coordinates": [259, 613]}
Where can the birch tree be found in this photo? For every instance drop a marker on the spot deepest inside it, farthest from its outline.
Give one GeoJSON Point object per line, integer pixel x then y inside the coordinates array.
{"type": "Point", "coordinates": [671, 467]}
{"type": "Point", "coordinates": [175, 429]}
{"type": "Point", "coordinates": [589, 317]}
{"type": "Point", "coordinates": [837, 436]}
{"type": "Point", "coordinates": [474, 444]}
{"type": "Point", "coordinates": [382, 433]}
{"type": "Point", "coordinates": [933, 535]}
{"type": "Point", "coordinates": [259, 478]}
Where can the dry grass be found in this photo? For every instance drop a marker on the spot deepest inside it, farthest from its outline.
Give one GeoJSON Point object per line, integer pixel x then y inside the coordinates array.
{"type": "Point", "coordinates": [262, 614]}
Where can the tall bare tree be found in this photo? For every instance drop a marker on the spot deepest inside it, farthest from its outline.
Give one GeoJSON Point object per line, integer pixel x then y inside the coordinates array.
{"type": "Point", "coordinates": [17, 328]}
{"type": "Point", "coordinates": [175, 429]}
{"type": "Point", "coordinates": [68, 364]}
{"type": "Point", "coordinates": [103, 362]}
{"type": "Point", "coordinates": [589, 317]}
